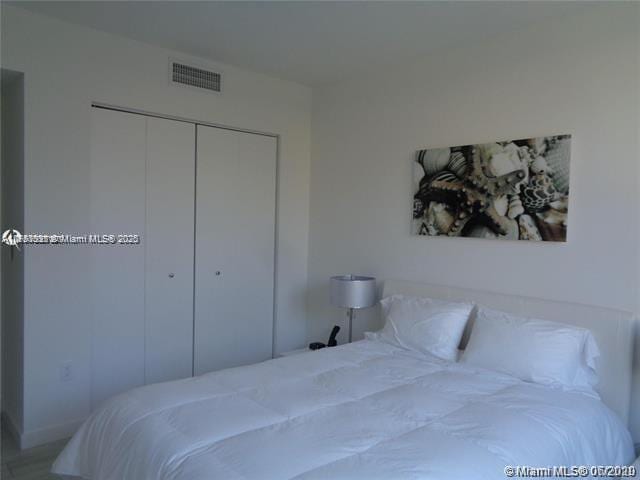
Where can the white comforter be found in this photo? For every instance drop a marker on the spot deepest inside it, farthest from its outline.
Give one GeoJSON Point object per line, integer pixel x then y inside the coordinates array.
{"type": "Point", "coordinates": [366, 410]}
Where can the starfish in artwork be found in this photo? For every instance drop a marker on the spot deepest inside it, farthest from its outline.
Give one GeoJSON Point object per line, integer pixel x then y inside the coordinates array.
{"type": "Point", "coordinates": [473, 197]}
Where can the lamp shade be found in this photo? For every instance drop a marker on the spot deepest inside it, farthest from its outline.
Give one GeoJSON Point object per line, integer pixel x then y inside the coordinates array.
{"type": "Point", "coordinates": [353, 291]}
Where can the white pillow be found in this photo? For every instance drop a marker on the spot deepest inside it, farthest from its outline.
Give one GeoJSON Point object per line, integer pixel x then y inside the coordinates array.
{"type": "Point", "coordinates": [533, 350]}
{"type": "Point", "coordinates": [424, 324]}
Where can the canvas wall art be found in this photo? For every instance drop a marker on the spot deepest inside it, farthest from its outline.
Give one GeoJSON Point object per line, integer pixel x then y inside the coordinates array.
{"type": "Point", "coordinates": [513, 190]}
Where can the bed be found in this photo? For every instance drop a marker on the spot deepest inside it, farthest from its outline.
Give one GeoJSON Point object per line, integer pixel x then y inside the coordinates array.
{"type": "Point", "coordinates": [366, 410]}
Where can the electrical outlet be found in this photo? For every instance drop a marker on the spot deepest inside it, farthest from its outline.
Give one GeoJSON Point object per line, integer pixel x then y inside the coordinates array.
{"type": "Point", "coordinates": [66, 372]}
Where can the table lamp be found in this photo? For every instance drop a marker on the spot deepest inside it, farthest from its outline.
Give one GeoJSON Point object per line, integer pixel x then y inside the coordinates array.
{"type": "Point", "coordinates": [353, 292]}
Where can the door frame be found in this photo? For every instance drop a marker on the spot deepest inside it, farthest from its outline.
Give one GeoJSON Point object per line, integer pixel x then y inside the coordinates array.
{"type": "Point", "coordinates": [147, 113]}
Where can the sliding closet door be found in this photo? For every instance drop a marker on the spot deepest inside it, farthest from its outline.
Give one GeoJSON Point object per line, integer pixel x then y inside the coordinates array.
{"type": "Point", "coordinates": [117, 204]}
{"type": "Point", "coordinates": [235, 224]}
{"type": "Point", "coordinates": [169, 250]}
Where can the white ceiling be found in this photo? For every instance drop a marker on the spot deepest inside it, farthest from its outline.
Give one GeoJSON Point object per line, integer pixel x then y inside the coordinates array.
{"type": "Point", "coordinates": [313, 43]}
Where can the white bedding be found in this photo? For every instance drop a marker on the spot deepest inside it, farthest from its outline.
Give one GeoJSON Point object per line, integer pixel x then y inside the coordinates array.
{"type": "Point", "coordinates": [365, 410]}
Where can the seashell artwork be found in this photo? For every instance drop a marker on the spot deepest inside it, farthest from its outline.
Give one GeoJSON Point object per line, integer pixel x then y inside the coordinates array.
{"type": "Point", "coordinates": [556, 157]}
{"type": "Point", "coordinates": [438, 218]}
{"type": "Point", "coordinates": [538, 193]}
{"type": "Point", "coordinates": [444, 176]}
{"type": "Point", "coordinates": [553, 217]}
{"type": "Point", "coordinates": [457, 164]}
{"type": "Point", "coordinates": [482, 231]}
{"type": "Point", "coordinates": [539, 165]}
{"type": "Point", "coordinates": [515, 208]}
{"type": "Point", "coordinates": [433, 160]}
{"type": "Point", "coordinates": [562, 204]}
{"type": "Point", "coordinates": [508, 190]}
{"type": "Point", "coordinates": [501, 204]}
{"type": "Point", "coordinates": [528, 229]}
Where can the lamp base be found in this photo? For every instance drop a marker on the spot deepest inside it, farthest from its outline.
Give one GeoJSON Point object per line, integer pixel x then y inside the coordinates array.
{"type": "Point", "coordinates": [351, 313]}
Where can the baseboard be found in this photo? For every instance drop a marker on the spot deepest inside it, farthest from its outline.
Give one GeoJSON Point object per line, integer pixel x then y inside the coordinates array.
{"type": "Point", "coordinates": [34, 438]}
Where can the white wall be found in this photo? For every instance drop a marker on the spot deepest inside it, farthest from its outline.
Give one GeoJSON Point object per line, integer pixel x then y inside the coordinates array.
{"type": "Point", "coordinates": [574, 75]}
{"type": "Point", "coordinates": [12, 265]}
{"type": "Point", "coordinates": [66, 68]}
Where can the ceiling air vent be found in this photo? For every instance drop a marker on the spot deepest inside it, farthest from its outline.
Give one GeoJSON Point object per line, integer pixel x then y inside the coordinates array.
{"type": "Point", "coordinates": [190, 76]}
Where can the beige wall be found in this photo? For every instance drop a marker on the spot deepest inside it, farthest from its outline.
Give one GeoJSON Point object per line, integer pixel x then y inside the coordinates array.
{"type": "Point", "coordinates": [575, 75]}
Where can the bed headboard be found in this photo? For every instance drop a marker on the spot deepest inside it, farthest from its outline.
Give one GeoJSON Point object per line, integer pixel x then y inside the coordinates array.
{"type": "Point", "coordinates": [612, 329]}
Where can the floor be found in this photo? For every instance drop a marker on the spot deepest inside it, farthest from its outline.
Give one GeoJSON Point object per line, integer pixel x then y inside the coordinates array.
{"type": "Point", "coordinates": [30, 464]}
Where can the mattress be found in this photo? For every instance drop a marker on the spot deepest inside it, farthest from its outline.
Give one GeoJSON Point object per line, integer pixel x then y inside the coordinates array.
{"type": "Point", "coordinates": [365, 410]}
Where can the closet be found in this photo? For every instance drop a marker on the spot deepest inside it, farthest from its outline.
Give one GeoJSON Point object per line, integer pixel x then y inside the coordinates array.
{"type": "Point", "coordinates": [196, 294]}
{"type": "Point", "coordinates": [235, 235]}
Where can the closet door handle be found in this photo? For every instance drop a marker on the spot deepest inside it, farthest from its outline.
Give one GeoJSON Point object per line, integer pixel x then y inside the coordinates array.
{"type": "Point", "coordinates": [171, 275]}
{"type": "Point", "coordinates": [218, 273]}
